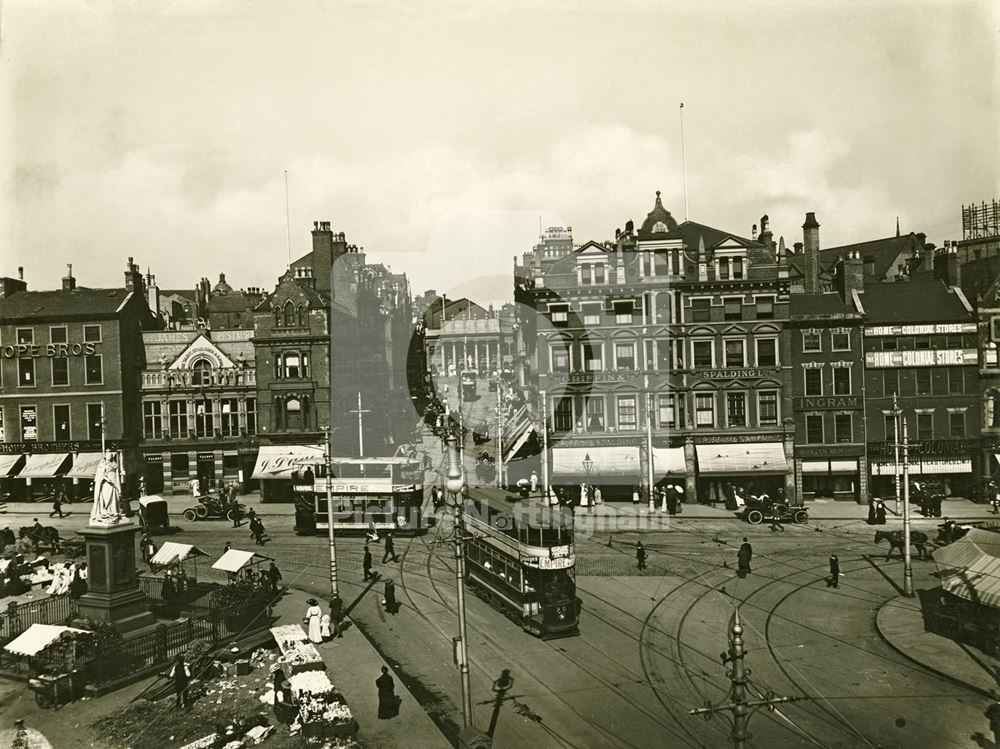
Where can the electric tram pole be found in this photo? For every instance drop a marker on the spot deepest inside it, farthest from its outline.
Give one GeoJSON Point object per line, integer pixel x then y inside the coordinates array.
{"type": "Point", "coordinates": [739, 706]}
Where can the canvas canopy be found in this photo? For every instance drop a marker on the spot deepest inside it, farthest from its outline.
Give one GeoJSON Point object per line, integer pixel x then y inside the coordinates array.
{"type": "Point", "coordinates": [7, 463]}
{"type": "Point", "coordinates": [37, 637]}
{"type": "Point", "coordinates": [42, 465]}
{"type": "Point", "coordinates": [605, 462]}
{"type": "Point", "coordinates": [234, 560]}
{"type": "Point", "coordinates": [279, 461]}
{"type": "Point", "coordinates": [970, 567]}
{"type": "Point", "coordinates": [85, 466]}
{"type": "Point", "coordinates": [172, 552]}
{"type": "Point", "coordinates": [742, 457]}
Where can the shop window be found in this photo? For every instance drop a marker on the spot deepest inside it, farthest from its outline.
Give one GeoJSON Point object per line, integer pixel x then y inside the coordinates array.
{"type": "Point", "coordinates": [92, 334]}
{"type": "Point", "coordinates": [25, 372]}
{"type": "Point", "coordinates": [732, 308]}
{"type": "Point", "coordinates": [94, 421]}
{"type": "Point", "coordinates": [767, 408]}
{"type": "Point", "coordinates": [704, 410]}
{"type": "Point", "coordinates": [764, 307]}
{"type": "Point", "coordinates": [925, 426]}
{"type": "Point", "coordinates": [152, 420]}
{"type": "Point", "coordinates": [702, 354]}
{"type": "Point", "coordinates": [61, 422]}
{"type": "Point", "coordinates": [956, 425]}
{"type": "Point", "coordinates": [595, 413]}
{"type": "Point", "coordinates": [701, 310]}
{"type": "Point", "coordinates": [60, 370]}
{"type": "Point", "coordinates": [812, 342]}
{"type": "Point", "coordinates": [843, 428]}
{"type": "Point", "coordinates": [627, 414]}
{"type": "Point", "coordinates": [841, 380]}
{"type": "Point", "coordinates": [180, 465]}
{"type": "Point", "coordinates": [767, 352]}
{"type": "Point", "coordinates": [813, 381]}
{"type": "Point", "coordinates": [93, 369]}
{"type": "Point", "coordinates": [922, 381]}
{"type": "Point", "coordinates": [814, 429]}
{"type": "Point", "coordinates": [736, 409]}
{"type": "Point", "coordinates": [735, 352]}
{"type": "Point", "coordinates": [178, 417]}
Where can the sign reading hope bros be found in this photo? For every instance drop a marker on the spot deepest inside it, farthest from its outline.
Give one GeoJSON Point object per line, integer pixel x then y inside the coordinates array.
{"type": "Point", "coordinates": [35, 350]}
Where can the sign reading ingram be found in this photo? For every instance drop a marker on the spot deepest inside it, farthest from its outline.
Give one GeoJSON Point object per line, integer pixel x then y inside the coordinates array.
{"type": "Point", "coordinates": [827, 402]}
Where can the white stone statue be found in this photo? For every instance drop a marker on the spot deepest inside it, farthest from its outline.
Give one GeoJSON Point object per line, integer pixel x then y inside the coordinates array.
{"type": "Point", "coordinates": [107, 509]}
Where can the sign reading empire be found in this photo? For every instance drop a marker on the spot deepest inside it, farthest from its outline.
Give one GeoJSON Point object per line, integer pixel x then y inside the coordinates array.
{"type": "Point", "coordinates": [34, 350]}
{"type": "Point", "coordinates": [921, 358]}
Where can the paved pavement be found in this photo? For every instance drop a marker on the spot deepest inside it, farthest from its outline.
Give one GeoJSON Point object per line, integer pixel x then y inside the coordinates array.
{"type": "Point", "coordinates": [901, 622]}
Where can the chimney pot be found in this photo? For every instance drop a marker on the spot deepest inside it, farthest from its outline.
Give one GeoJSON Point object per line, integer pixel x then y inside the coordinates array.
{"type": "Point", "coordinates": [810, 236]}
{"type": "Point", "coordinates": [20, 273]}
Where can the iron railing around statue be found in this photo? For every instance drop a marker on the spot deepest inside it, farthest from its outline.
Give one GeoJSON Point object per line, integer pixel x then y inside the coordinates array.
{"type": "Point", "coordinates": [15, 618]}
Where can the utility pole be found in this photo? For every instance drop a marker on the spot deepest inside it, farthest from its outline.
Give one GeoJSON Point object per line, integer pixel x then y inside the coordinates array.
{"type": "Point", "coordinates": [545, 445]}
{"type": "Point", "coordinates": [455, 485]}
{"type": "Point", "coordinates": [328, 460]}
{"type": "Point", "coordinates": [896, 413]}
{"type": "Point", "coordinates": [361, 433]}
{"type": "Point", "coordinates": [738, 705]}
{"type": "Point", "coordinates": [649, 451]}
{"type": "Point", "coordinates": [500, 410]}
{"type": "Point", "coordinates": [907, 566]}
{"type": "Point", "coordinates": [104, 430]}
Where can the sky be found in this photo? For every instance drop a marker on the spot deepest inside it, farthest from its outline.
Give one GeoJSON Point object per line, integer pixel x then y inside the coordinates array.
{"type": "Point", "coordinates": [440, 135]}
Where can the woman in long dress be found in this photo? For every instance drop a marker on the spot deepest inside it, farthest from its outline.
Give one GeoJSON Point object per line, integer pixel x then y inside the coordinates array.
{"type": "Point", "coordinates": [313, 617]}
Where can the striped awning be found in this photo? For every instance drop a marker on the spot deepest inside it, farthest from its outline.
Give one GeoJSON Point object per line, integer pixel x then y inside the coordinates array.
{"type": "Point", "coordinates": [970, 567]}
{"type": "Point", "coordinates": [42, 465]}
{"type": "Point", "coordinates": [742, 458]}
{"type": "Point", "coordinates": [8, 462]}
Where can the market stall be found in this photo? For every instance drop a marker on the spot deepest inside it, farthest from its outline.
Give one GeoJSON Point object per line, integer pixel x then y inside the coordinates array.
{"type": "Point", "coordinates": [240, 564]}
{"type": "Point", "coordinates": [170, 561]}
{"type": "Point", "coordinates": [322, 710]}
{"type": "Point", "coordinates": [50, 651]}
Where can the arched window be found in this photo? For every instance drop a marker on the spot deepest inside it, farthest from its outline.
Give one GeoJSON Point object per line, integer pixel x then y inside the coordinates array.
{"type": "Point", "coordinates": [277, 316]}
{"type": "Point", "coordinates": [302, 316]}
{"type": "Point", "coordinates": [201, 373]}
{"type": "Point", "coordinates": [289, 314]}
{"type": "Point", "coordinates": [991, 409]}
{"type": "Point", "coordinates": [290, 366]}
{"type": "Point", "coordinates": [293, 414]}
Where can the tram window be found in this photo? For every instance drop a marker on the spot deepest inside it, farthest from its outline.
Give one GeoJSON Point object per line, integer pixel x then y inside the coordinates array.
{"type": "Point", "coordinates": [550, 536]}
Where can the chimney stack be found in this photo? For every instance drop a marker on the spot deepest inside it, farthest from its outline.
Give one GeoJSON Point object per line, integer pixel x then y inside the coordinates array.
{"type": "Point", "coordinates": [946, 266]}
{"type": "Point", "coordinates": [327, 247]}
{"type": "Point", "coordinates": [851, 274]}
{"type": "Point", "coordinates": [133, 277]}
{"type": "Point", "coordinates": [810, 236]}
{"type": "Point", "coordinates": [153, 293]}
{"type": "Point", "coordinates": [68, 282]}
{"type": "Point", "coordinates": [20, 273]}
{"type": "Point", "coordinates": [766, 237]}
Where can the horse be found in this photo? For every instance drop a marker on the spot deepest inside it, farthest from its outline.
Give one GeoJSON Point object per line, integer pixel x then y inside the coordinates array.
{"type": "Point", "coordinates": [896, 541]}
{"type": "Point", "coordinates": [47, 536]}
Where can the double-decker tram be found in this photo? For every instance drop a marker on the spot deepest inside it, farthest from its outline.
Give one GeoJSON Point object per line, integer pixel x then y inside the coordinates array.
{"type": "Point", "coordinates": [520, 558]}
{"type": "Point", "coordinates": [381, 493]}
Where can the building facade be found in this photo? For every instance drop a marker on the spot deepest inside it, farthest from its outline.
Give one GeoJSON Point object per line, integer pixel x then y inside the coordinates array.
{"type": "Point", "coordinates": [70, 371]}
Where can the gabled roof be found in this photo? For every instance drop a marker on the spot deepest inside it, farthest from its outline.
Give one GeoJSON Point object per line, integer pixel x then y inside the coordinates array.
{"type": "Point", "coordinates": [692, 231]}
{"type": "Point", "coordinates": [232, 301]}
{"type": "Point", "coordinates": [201, 347]}
{"type": "Point", "coordinates": [913, 302]}
{"type": "Point", "coordinates": [820, 304]}
{"type": "Point", "coordinates": [883, 253]}
{"type": "Point", "coordinates": [64, 304]}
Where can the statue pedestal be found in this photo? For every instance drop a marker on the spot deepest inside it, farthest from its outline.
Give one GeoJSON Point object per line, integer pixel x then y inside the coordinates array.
{"type": "Point", "coordinates": [114, 594]}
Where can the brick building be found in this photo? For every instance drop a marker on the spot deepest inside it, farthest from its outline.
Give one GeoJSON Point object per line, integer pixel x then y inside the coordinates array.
{"type": "Point", "coordinates": [64, 356]}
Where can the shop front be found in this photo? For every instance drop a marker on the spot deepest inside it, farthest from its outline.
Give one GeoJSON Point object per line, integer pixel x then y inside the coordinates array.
{"type": "Point", "coordinates": [611, 464]}
{"type": "Point", "coordinates": [277, 465]}
{"type": "Point", "coordinates": [42, 474]}
{"type": "Point", "coordinates": [740, 468]}
{"type": "Point", "coordinates": [82, 474]}
{"type": "Point", "coordinates": [836, 472]}
{"type": "Point", "coordinates": [946, 465]}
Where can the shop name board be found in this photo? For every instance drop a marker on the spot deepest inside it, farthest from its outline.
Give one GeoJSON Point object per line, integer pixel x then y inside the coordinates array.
{"type": "Point", "coordinates": [735, 374]}
{"type": "Point", "coordinates": [362, 487]}
{"type": "Point", "coordinates": [927, 447]}
{"type": "Point", "coordinates": [829, 451]}
{"type": "Point", "coordinates": [922, 358]}
{"type": "Point", "coordinates": [54, 350]}
{"type": "Point", "coordinates": [599, 442]}
{"type": "Point", "coordinates": [83, 446]}
{"type": "Point", "coordinates": [580, 378]}
{"type": "Point", "coordinates": [827, 402]}
{"type": "Point", "coordinates": [728, 439]}
{"type": "Point", "coordinates": [935, 329]}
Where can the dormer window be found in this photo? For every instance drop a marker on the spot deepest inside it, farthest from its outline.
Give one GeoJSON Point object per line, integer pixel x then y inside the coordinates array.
{"type": "Point", "coordinates": [729, 268]}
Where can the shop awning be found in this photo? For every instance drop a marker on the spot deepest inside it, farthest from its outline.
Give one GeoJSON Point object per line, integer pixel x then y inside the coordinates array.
{"type": "Point", "coordinates": [172, 552]}
{"type": "Point", "coordinates": [278, 461]}
{"type": "Point", "coordinates": [85, 466]}
{"type": "Point", "coordinates": [829, 466]}
{"type": "Point", "coordinates": [234, 560]}
{"type": "Point", "coordinates": [37, 637]}
{"type": "Point", "coordinates": [42, 465]}
{"type": "Point", "coordinates": [517, 445]}
{"type": "Point", "coordinates": [742, 458]}
{"type": "Point", "coordinates": [608, 462]}
{"type": "Point", "coordinates": [970, 567]}
{"type": "Point", "coordinates": [668, 460]}
{"type": "Point", "coordinates": [8, 463]}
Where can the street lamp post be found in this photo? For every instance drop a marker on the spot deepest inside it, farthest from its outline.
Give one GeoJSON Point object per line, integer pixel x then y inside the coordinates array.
{"type": "Point", "coordinates": [907, 566]}
{"type": "Point", "coordinates": [455, 485]}
{"type": "Point", "coordinates": [328, 459]}
{"type": "Point", "coordinates": [896, 413]}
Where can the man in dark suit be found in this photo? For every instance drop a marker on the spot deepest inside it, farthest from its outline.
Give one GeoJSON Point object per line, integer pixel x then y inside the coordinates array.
{"type": "Point", "coordinates": [834, 581]}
